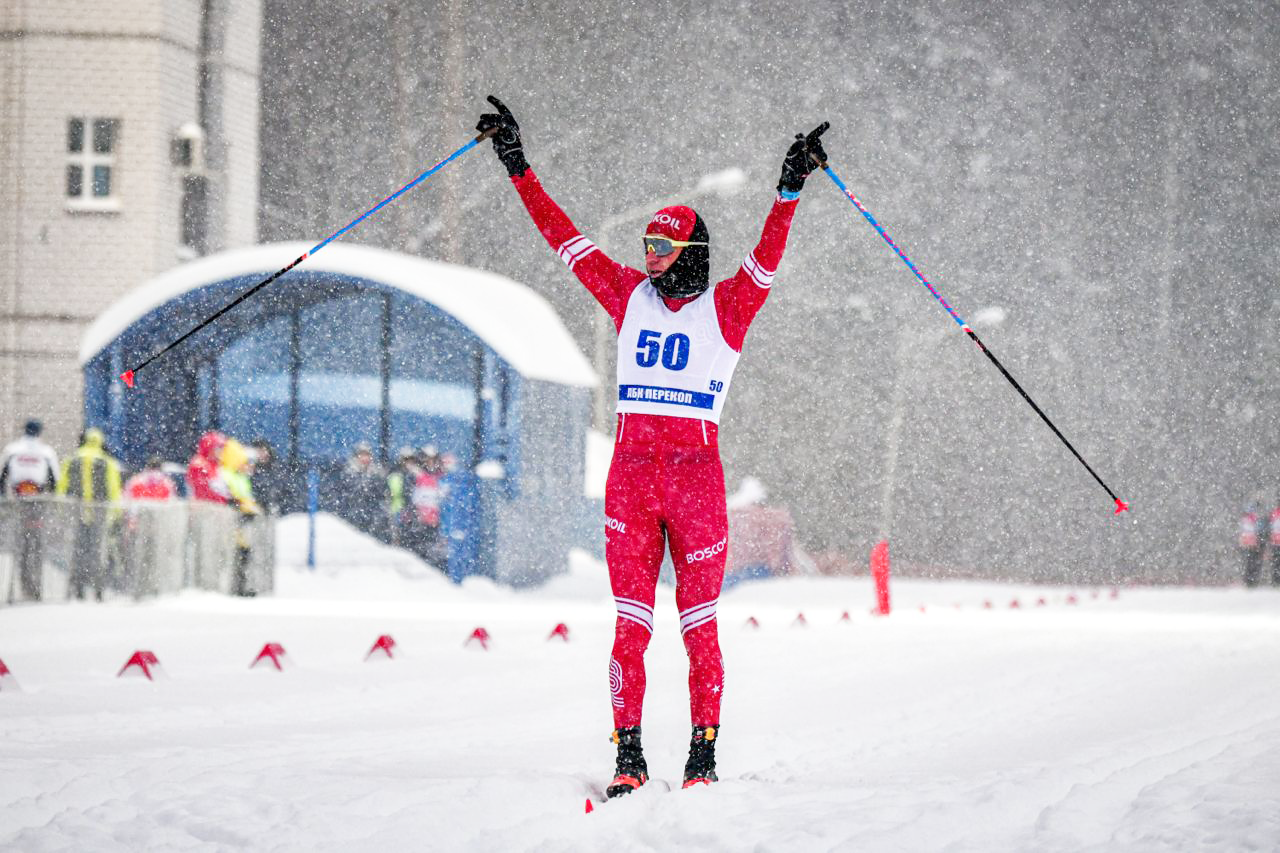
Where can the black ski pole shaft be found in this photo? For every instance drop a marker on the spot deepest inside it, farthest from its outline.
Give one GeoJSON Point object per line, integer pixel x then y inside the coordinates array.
{"type": "Point", "coordinates": [1121, 506]}
{"type": "Point", "coordinates": [128, 376]}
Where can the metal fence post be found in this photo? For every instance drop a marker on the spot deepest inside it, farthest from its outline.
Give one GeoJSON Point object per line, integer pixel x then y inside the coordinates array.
{"type": "Point", "coordinates": [313, 502]}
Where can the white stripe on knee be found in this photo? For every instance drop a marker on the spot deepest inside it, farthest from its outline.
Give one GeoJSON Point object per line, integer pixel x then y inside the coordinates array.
{"type": "Point", "coordinates": [635, 611]}
{"type": "Point", "coordinates": [699, 614]}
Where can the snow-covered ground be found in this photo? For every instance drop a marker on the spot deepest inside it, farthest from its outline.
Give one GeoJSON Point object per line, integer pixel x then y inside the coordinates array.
{"type": "Point", "coordinates": [1147, 722]}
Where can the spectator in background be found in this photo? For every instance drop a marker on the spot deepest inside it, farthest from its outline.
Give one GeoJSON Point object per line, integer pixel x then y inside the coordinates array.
{"type": "Point", "coordinates": [271, 483]}
{"type": "Point", "coordinates": [364, 492]}
{"type": "Point", "coordinates": [428, 497]}
{"type": "Point", "coordinates": [236, 471]}
{"type": "Point", "coordinates": [29, 468]}
{"type": "Point", "coordinates": [448, 479]}
{"type": "Point", "coordinates": [400, 484]}
{"type": "Point", "coordinates": [151, 483]}
{"type": "Point", "coordinates": [1275, 544]}
{"type": "Point", "coordinates": [92, 477]}
{"type": "Point", "coordinates": [1251, 544]}
{"type": "Point", "coordinates": [202, 471]}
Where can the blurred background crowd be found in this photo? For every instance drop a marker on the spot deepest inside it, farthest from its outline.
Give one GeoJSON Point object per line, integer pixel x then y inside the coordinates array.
{"type": "Point", "coordinates": [404, 506]}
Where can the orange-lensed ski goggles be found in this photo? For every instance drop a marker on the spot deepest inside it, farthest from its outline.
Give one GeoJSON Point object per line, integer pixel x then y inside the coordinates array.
{"type": "Point", "coordinates": [663, 246]}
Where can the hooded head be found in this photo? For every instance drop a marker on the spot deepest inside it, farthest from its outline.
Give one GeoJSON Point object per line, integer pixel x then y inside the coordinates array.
{"type": "Point", "coordinates": [93, 439]}
{"type": "Point", "coordinates": [234, 456]}
{"type": "Point", "coordinates": [209, 445]}
{"type": "Point", "coordinates": [691, 273]}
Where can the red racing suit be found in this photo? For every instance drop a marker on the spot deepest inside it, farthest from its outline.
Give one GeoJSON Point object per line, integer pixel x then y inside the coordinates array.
{"type": "Point", "coordinates": [666, 483]}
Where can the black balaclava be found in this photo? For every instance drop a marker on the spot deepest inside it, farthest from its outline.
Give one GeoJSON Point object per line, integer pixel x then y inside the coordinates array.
{"type": "Point", "coordinates": [690, 275]}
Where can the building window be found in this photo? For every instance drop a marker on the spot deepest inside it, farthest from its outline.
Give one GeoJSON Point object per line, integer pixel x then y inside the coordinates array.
{"type": "Point", "coordinates": [91, 154]}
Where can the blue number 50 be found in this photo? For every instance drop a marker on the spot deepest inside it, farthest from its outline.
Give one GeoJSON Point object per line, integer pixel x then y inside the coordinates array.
{"type": "Point", "coordinates": [675, 351]}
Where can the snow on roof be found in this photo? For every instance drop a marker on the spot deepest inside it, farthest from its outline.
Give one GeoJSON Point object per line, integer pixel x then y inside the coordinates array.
{"type": "Point", "coordinates": [516, 322]}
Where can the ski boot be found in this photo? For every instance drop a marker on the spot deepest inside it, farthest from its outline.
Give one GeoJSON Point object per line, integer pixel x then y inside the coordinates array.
{"type": "Point", "coordinates": [631, 772]}
{"type": "Point", "coordinates": [700, 769]}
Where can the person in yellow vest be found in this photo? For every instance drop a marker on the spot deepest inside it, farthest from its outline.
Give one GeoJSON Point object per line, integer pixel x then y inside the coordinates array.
{"type": "Point", "coordinates": [236, 469]}
{"type": "Point", "coordinates": [399, 487]}
{"type": "Point", "coordinates": [92, 477]}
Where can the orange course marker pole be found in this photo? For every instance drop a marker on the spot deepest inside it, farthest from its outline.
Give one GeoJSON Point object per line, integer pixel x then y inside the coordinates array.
{"type": "Point", "coordinates": [880, 574]}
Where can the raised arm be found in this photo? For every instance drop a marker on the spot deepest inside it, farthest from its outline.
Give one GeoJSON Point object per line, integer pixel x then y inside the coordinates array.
{"type": "Point", "coordinates": [740, 298]}
{"type": "Point", "coordinates": [610, 282]}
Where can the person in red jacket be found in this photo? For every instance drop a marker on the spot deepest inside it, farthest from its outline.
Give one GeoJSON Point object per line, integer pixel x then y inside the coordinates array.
{"type": "Point", "coordinates": [151, 483]}
{"type": "Point", "coordinates": [202, 472]}
{"type": "Point", "coordinates": [679, 339]}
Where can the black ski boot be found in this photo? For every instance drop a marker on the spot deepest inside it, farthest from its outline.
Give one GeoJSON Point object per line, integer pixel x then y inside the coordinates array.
{"type": "Point", "coordinates": [631, 772]}
{"type": "Point", "coordinates": [700, 769]}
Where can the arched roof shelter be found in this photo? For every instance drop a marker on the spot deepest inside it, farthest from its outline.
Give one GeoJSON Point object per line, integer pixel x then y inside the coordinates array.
{"type": "Point", "coordinates": [355, 344]}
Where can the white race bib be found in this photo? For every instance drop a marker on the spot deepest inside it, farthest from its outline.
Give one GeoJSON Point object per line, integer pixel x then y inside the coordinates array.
{"type": "Point", "coordinates": [673, 363]}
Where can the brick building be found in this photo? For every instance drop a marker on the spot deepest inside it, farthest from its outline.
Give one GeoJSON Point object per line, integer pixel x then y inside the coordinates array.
{"type": "Point", "coordinates": [128, 144]}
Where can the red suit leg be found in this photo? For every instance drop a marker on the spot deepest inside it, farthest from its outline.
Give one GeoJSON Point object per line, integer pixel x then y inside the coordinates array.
{"type": "Point", "coordinates": [634, 545]}
{"type": "Point", "coordinates": [698, 529]}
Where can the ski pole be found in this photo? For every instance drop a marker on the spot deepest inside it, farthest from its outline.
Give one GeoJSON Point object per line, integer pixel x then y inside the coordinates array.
{"type": "Point", "coordinates": [1121, 506]}
{"type": "Point", "coordinates": [128, 376]}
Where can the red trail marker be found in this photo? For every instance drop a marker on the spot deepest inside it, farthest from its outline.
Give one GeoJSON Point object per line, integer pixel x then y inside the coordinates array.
{"type": "Point", "coordinates": [481, 636]}
{"type": "Point", "coordinates": [561, 631]}
{"type": "Point", "coordinates": [383, 644]}
{"type": "Point", "coordinates": [145, 661]}
{"type": "Point", "coordinates": [272, 653]}
{"type": "Point", "coordinates": [7, 680]}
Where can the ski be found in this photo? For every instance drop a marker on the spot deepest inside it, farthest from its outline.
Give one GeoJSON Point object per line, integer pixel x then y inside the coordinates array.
{"type": "Point", "coordinates": [652, 788]}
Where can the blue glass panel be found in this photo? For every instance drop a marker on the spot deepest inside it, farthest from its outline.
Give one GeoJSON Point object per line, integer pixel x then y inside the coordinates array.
{"type": "Point", "coordinates": [253, 384]}
{"type": "Point", "coordinates": [433, 367]}
{"type": "Point", "coordinates": [340, 386]}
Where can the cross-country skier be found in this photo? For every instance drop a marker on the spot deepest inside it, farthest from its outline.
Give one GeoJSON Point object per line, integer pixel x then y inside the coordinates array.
{"type": "Point", "coordinates": [679, 339]}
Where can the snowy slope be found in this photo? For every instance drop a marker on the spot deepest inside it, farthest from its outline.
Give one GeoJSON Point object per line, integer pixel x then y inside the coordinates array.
{"type": "Point", "coordinates": [1150, 722]}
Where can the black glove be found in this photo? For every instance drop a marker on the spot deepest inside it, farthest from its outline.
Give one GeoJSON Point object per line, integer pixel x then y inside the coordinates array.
{"type": "Point", "coordinates": [799, 162]}
{"type": "Point", "coordinates": [506, 142]}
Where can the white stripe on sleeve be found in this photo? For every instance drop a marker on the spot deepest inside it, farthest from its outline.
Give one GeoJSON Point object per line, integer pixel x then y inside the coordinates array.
{"type": "Point", "coordinates": [761, 276]}
{"type": "Point", "coordinates": [575, 249]}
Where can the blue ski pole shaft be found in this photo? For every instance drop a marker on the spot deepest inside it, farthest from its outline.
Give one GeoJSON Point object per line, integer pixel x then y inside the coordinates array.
{"type": "Point", "coordinates": [128, 375]}
{"type": "Point", "coordinates": [1121, 506]}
